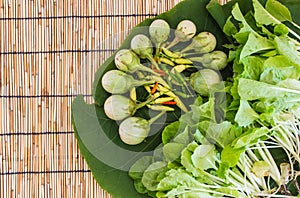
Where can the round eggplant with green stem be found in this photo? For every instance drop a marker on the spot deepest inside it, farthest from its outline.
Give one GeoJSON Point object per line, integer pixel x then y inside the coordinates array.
{"type": "Point", "coordinates": [204, 42]}
{"type": "Point", "coordinates": [203, 80]}
{"type": "Point", "coordinates": [134, 130]}
{"type": "Point", "coordinates": [118, 107]}
{"type": "Point", "coordinates": [185, 30]}
{"type": "Point", "coordinates": [118, 82]}
{"type": "Point", "coordinates": [159, 31]}
{"type": "Point", "coordinates": [127, 61]}
{"type": "Point", "coordinates": [216, 60]}
{"type": "Point", "coordinates": [143, 47]}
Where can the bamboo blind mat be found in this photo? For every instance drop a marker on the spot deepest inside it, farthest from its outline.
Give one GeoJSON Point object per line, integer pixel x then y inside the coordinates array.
{"type": "Point", "coordinates": [48, 56]}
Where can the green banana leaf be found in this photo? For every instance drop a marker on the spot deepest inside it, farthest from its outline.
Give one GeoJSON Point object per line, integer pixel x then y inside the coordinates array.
{"type": "Point", "coordinates": [108, 158]}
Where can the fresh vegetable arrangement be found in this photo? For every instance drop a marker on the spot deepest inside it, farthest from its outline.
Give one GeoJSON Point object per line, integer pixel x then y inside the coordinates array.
{"type": "Point", "coordinates": [174, 73]}
{"type": "Point", "coordinates": [228, 131]}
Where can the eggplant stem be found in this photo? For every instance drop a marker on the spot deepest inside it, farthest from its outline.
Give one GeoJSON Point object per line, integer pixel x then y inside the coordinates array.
{"type": "Point", "coordinates": [152, 120]}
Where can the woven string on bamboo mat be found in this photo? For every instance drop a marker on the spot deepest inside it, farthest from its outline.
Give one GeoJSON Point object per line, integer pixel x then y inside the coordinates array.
{"type": "Point", "coordinates": [47, 57]}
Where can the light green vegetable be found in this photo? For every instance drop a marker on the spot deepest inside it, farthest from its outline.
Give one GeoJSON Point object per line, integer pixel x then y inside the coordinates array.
{"type": "Point", "coordinates": [185, 30]}
{"type": "Point", "coordinates": [203, 80]}
{"type": "Point", "coordinates": [151, 174]}
{"type": "Point", "coordinates": [285, 46]}
{"type": "Point", "coordinates": [256, 43]}
{"type": "Point", "coordinates": [274, 13]}
{"type": "Point", "coordinates": [242, 35]}
{"type": "Point", "coordinates": [284, 93]}
{"type": "Point", "coordinates": [176, 142]}
{"type": "Point", "coordinates": [136, 171]}
{"type": "Point", "coordinates": [204, 157]}
{"type": "Point", "coordinates": [134, 130]}
{"type": "Point", "coordinates": [216, 60]}
{"type": "Point", "coordinates": [172, 151]}
{"type": "Point", "coordinates": [128, 61]}
{"type": "Point", "coordinates": [143, 47]}
{"type": "Point", "coordinates": [118, 82]}
{"type": "Point", "coordinates": [220, 134]}
{"type": "Point", "coordinates": [204, 42]}
{"type": "Point", "coordinates": [224, 145]}
{"type": "Point", "coordinates": [252, 67]}
{"type": "Point", "coordinates": [118, 107]}
{"type": "Point", "coordinates": [159, 31]}
{"type": "Point", "coordinates": [249, 138]}
{"type": "Point", "coordinates": [261, 169]}
{"type": "Point", "coordinates": [278, 68]}
{"type": "Point", "coordinates": [245, 114]}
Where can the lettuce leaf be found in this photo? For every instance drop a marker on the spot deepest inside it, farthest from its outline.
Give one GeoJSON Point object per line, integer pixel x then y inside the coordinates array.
{"type": "Point", "coordinates": [253, 90]}
{"type": "Point", "coordinates": [151, 174]}
{"type": "Point", "coordinates": [204, 157]}
{"type": "Point", "coordinates": [245, 115]}
{"type": "Point", "coordinates": [220, 134]}
{"type": "Point", "coordinates": [256, 43]}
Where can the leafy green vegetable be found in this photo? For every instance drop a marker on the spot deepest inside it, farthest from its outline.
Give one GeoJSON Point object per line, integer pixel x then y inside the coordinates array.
{"type": "Point", "coordinates": [230, 156]}
{"type": "Point", "coordinates": [151, 174]}
{"type": "Point", "coordinates": [274, 13]}
{"type": "Point", "coordinates": [262, 16]}
{"type": "Point", "coordinates": [175, 178]}
{"type": "Point", "coordinates": [278, 10]}
{"type": "Point", "coordinates": [252, 90]}
{"type": "Point", "coordinates": [170, 132]}
{"type": "Point", "coordinates": [204, 157]}
{"type": "Point", "coordinates": [220, 134]}
{"type": "Point", "coordinates": [180, 183]}
{"type": "Point", "coordinates": [137, 169]}
{"type": "Point", "coordinates": [278, 68]}
{"type": "Point", "coordinates": [186, 159]}
{"type": "Point", "coordinates": [231, 153]}
{"type": "Point", "coordinates": [172, 150]}
{"type": "Point", "coordinates": [183, 137]}
{"type": "Point", "coordinates": [246, 29]}
{"type": "Point", "coordinates": [288, 48]}
{"type": "Point", "coordinates": [245, 115]}
{"type": "Point", "coordinates": [252, 67]}
{"type": "Point", "coordinates": [229, 28]}
{"type": "Point", "coordinates": [254, 44]}
{"type": "Point", "coordinates": [249, 138]}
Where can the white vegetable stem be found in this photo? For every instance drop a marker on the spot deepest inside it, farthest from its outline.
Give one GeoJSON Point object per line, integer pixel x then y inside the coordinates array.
{"type": "Point", "coordinates": [206, 189]}
{"type": "Point", "coordinates": [152, 120]}
{"type": "Point", "coordinates": [288, 136]}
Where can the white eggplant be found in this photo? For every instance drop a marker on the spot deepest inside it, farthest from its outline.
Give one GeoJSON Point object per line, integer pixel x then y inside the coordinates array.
{"type": "Point", "coordinates": [118, 107]}
{"type": "Point", "coordinates": [118, 82]}
{"type": "Point", "coordinates": [134, 130]}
